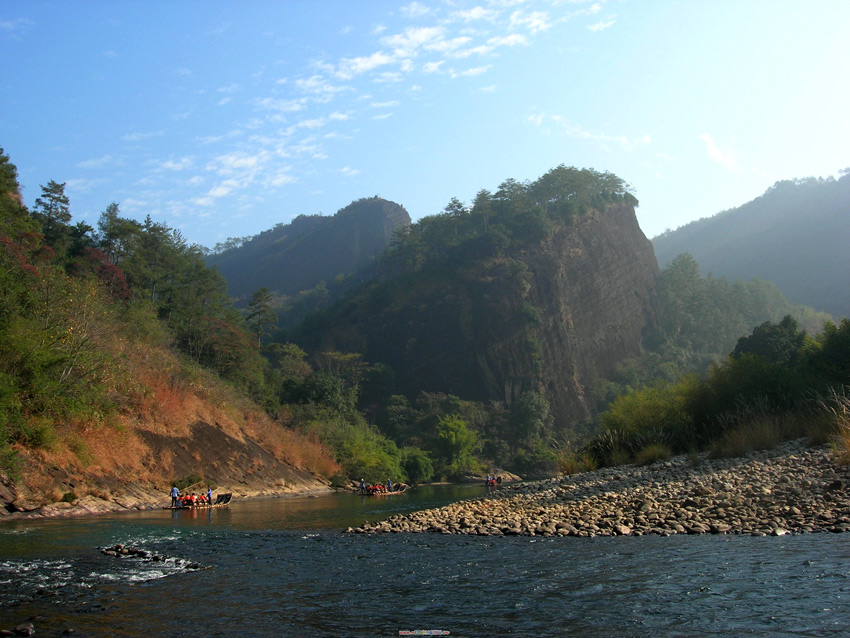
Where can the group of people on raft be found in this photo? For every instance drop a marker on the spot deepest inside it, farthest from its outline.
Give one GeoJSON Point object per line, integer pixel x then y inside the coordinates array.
{"type": "Point", "coordinates": [190, 500]}
{"type": "Point", "coordinates": [492, 481]}
{"type": "Point", "coordinates": [378, 488]}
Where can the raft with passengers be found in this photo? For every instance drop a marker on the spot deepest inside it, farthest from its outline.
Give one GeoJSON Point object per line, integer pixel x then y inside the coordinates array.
{"type": "Point", "coordinates": [381, 489]}
{"type": "Point", "coordinates": [197, 501]}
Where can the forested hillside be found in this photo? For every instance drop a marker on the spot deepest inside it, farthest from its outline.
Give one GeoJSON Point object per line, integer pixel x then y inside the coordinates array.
{"type": "Point", "coordinates": [493, 335]}
{"type": "Point", "coordinates": [124, 367]}
{"type": "Point", "coordinates": [312, 249]}
{"type": "Point", "coordinates": [793, 236]}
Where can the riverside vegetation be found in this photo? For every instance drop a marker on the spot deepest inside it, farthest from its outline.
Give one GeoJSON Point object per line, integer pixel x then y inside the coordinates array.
{"type": "Point", "coordinates": [119, 343]}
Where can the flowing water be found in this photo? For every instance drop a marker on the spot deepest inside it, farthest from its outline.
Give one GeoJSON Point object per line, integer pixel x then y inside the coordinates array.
{"type": "Point", "coordinates": [282, 567]}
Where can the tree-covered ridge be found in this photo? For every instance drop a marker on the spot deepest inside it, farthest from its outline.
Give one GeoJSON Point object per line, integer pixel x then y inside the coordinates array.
{"type": "Point", "coordinates": [792, 235]}
{"type": "Point", "coordinates": [310, 250]}
{"type": "Point", "coordinates": [518, 213]}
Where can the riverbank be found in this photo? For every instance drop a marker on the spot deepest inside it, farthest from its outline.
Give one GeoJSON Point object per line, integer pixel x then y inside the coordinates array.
{"type": "Point", "coordinates": [17, 502]}
{"type": "Point", "coordinates": [791, 489]}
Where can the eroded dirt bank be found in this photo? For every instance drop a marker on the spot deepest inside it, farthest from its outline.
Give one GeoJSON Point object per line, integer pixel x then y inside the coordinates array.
{"type": "Point", "coordinates": [139, 473]}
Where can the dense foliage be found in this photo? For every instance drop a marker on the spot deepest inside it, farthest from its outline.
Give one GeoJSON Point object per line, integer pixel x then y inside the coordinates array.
{"type": "Point", "coordinates": [69, 293]}
{"type": "Point", "coordinates": [775, 384]}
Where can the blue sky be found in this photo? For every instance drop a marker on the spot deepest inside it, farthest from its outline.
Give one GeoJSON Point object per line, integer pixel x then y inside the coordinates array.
{"type": "Point", "coordinates": [222, 119]}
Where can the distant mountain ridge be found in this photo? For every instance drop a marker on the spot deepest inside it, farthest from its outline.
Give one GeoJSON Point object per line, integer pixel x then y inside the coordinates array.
{"type": "Point", "coordinates": [290, 258]}
{"type": "Point", "coordinates": [795, 236]}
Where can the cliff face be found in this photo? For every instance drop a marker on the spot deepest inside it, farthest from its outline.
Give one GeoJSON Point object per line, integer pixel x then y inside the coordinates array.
{"type": "Point", "coordinates": [595, 283]}
{"type": "Point", "coordinates": [549, 317]}
{"type": "Point", "coordinates": [297, 256]}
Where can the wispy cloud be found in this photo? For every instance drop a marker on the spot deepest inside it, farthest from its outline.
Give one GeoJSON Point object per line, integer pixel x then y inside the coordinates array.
{"type": "Point", "coordinates": [725, 158]}
{"type": "Point", "coordinates": [534, 21]}
{"type": "Point", "coordinates": [563, 126]}
{"type": "Point", "coordinates": [416, 10]}
{"type": "Point", "coordinates": [15, 28]}
{"type": "Point", "coordinates": [470, 72]}
{"type": "Point", "coordinates": [181, 164]}
{"type": "Point", "coordinates": [97, 162]}
{"type": "Point", "coordinates": [139, 136]}
{"type": "Point", "coordinates": [601, 26]}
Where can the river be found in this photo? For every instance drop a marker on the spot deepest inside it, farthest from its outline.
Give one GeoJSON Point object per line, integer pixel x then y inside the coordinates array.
{"type": "Point", "coordinates": [283, 567]}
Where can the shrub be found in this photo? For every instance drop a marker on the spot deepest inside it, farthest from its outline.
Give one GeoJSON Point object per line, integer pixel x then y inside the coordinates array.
{"type": "Point", "coordinates": [575, 462]}
{"type": "Point", "coordinates": [652, 453]}
{"type": "Point", "coordinates": [764, 433]}
{"type": "Point", "coordinates": [188, 481]}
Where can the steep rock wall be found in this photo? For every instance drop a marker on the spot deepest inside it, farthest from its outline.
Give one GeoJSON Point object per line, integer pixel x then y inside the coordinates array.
{"type": "Point", "coordinates": [591, 285]}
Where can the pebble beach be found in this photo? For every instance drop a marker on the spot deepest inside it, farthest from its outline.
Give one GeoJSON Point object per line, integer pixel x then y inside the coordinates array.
{"type": "Point", "coordinates": [792, 489]}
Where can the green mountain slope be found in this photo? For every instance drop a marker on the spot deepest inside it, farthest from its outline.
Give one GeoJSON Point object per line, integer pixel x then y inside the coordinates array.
{"type": "Point", "coordinates": [794, 236]}
{"type": "Point", "coordinates": [294, 257]}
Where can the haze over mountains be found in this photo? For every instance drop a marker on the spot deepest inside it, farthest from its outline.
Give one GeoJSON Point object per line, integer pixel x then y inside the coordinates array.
{"type": "Point", "coordinates": [795, 236]}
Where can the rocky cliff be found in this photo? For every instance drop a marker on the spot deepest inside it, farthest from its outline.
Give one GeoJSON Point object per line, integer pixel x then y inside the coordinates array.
{"type": "Point", "coordinates": [549, 314]}
{"type": "Point", "coordinates": [594, 282]}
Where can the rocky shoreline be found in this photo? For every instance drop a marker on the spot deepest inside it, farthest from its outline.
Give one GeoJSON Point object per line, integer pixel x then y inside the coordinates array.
{"type": "Point", "coordinates": [791, 489]}
{"type": "Point", "coordinates": [19, 504]}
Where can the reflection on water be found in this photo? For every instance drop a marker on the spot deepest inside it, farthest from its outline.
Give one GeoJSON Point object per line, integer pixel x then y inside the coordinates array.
{"type": "Point", "coordinates": [281, 567]}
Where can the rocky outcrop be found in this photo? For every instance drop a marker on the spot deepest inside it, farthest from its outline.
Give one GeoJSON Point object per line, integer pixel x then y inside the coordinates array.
{"type": "Point", "coordinates": [792, 489]}
{"type": "Point", "coordinates": [595, 284]}
{"type": "Point", "coordinates": [548, 316]}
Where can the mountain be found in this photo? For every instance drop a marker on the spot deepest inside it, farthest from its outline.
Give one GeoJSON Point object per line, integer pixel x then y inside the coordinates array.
{"type": "Point", "coordinates": [540, 287]}
{"type": "Point", "coordinates": [294, 257]}
{"type": "Point", "coordinates": [794, 236]}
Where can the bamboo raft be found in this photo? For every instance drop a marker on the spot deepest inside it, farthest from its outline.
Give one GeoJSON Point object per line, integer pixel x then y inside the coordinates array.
{"type": "Point", "coordinates": [222, 500]}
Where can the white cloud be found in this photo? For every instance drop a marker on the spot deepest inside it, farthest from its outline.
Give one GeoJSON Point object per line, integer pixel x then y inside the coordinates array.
{"type": "Point", "coordinates": [316, 84]}
{"type": "Point", "coordinates": [141, 136]}
{"type": "Point", "coordinates": [349, 172]}
{"type": "Point", "coordinates": [14, 27]}
{"type": "Point", "coordinates": [476, 13]}
{"type": "Point", "coordinates": [282, 106]}
{"type": "Point", "coordinates": [406, 44]}
{"type": "Point", "coordinates": [177, 165]}
{"type": "Point", "coordinates": [415, 10]}
{"type": "Point", "coordinates": [601, 26]}
{"type": "Point", "coordinates": [388, 77]}
{"type": "Point", "coordinates": [724, 158]}
{"type": "Point", "coordinates": [224, 101]}
{"type": "Point", "coordinates": [83, 185]}
{"type": "Point", "coordinates": [98, 162]}
{"type": "Point", "coordinates": [535, 21]}
{"type": "Point", "coordinates": [508, 40]}
{"type": "Point", "coordinates": [470, 72]}
{"type": "Point", "coordinates": [565, 127]}
{"type": "Point", "coordinates": [385, 105]}
{"type": "Point", "coordinates": [351, 67]}
{"type": "Point", "coordinates": [281, 178]}
{"type": "Point", "coordinates": [432, 67]}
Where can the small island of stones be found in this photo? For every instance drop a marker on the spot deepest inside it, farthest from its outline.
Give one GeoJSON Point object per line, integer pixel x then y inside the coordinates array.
{"type": "Point", "coordinates": [790, 489]}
